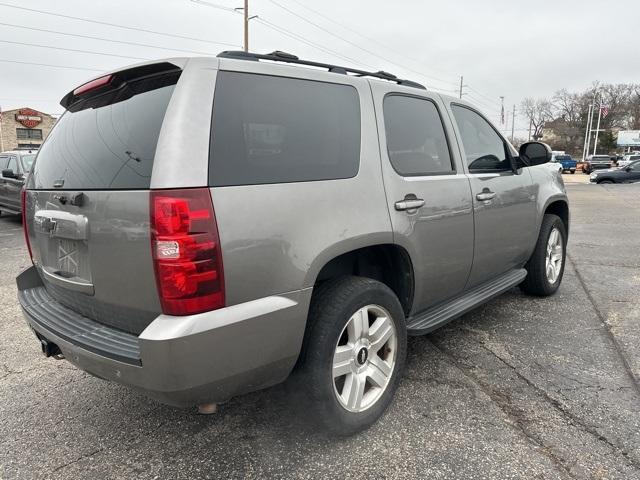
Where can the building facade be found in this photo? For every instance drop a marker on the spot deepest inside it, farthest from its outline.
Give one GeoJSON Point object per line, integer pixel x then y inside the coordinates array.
{"type": "Point", "coordinates": [24, 128]}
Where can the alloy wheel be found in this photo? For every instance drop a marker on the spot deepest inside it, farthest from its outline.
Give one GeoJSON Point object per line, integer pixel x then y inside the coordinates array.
{"type": "Point", "coordinates": [364, 358]}
{"type": "Point", "coordinates": [554, 258]}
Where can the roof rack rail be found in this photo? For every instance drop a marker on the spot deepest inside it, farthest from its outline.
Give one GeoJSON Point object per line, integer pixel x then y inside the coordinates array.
{"type": "Point", "coordinates": [285, 57]}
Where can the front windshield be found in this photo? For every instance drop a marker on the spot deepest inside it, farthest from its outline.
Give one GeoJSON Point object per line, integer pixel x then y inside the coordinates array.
{"type": "Point", "coordinates": [27, 161]}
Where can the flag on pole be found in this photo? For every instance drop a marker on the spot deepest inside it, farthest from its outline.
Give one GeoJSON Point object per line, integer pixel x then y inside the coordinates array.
{"type": "Point", "coordinates": [604, 110]}
{"type": "Point", "coordinates": [502, 114]}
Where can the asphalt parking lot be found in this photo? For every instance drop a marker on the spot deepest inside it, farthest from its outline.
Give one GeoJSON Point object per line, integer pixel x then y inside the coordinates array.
{"type": "Point", "coordinates": [520, 388]}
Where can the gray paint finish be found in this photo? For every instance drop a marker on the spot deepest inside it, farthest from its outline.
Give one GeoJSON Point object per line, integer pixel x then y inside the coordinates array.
{"type": "Point", "coordinates": [109, 249]}
{"type": "Point", "coordinates": [274, 239]}
{"type": "Point", "coordinates": [182, 153]}
{"type": "Point", "coordinates": [439, 235]}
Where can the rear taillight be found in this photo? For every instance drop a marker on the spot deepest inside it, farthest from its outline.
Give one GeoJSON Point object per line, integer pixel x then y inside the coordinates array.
{"type": "Point", "coordinates": [186, 251]}
{"type": "Point", "coordinates": [23, 199]}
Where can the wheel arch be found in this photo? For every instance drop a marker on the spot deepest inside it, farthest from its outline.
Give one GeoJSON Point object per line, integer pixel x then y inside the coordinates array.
{"type": "Point", "coordinates": [387, 263]}
{"type": "Point", "coordinates": [559, 207]}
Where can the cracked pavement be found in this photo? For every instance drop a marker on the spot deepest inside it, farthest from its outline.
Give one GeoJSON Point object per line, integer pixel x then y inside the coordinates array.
{"type": "Point", "coordinates": [520, 388]}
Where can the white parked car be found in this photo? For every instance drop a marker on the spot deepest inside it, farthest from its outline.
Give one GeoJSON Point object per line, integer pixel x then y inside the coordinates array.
{"type": "Point", "coordinates": [627, 159]}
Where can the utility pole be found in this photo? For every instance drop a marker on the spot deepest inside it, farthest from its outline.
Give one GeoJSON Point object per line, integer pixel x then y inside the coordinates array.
{"type": "Point", "coordinates": [595, 143]}
{"type": "Point", "coordinates": [513, 123]}
{"type": "Point", "coordinates": [593, 110]}
{"type": "Point", "coordinates": [585, 148]}
{"type": "Point", "coordinates": [246, 25]}
{"type": "Point", "coordinates": [501, 110]}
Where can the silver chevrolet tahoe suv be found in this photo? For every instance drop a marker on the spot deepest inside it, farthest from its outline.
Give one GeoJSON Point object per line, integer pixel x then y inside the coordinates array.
{"type": "Point", "coordinates": [201, 228]}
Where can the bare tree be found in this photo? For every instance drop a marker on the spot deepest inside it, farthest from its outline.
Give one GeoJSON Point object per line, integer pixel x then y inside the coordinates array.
{"type": "Point", "coordinates": [538, 112]}
{"type": "Point", "coordinates": [616, 99]}
{"type": "Point", "coordinates": [570, 114]}
{"type": "Point", "coordinates": [569, 107]}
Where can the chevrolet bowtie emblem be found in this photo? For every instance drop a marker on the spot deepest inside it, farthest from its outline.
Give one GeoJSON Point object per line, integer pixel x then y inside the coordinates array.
{"type": "Point", "coordinates": [49, 225]}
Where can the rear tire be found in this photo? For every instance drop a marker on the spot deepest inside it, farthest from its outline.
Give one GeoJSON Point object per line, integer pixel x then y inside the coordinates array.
{"type": "Point", "coordinates": [572, 171]}
{"type": "Point", "coordinates": [354, 353]}
{"type": "Point", "coordinates": [545, 268]}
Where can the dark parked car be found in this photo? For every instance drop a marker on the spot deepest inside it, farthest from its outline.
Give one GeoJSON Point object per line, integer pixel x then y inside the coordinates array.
{"type": "Point", "coordinates": [14, 167]}
{"type": "Point", "coordinates": [628, 174]}
{"type": "Point", "coordinates": [597, 162]}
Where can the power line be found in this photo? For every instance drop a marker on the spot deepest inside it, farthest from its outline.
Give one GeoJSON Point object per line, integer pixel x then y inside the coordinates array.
{"type": "Point", "coordinates": [482, 103]}
{"type": "Point", "coordinates": [370, 52]}
{"type": "Point", "coordinates": [73, 50]}
{"type": "Point", "coordinates": [491, 100]}
{"type": "Point", "coordinates": [369, 39]}
{"type": "Point", "coordinates": [245, 14]}
{"type": "Point", "coordinates": [51, 65]}
{"type": "Point", "coordinates": [98, 22]}
{"type": "Point", "coordinates": [286, 32]}
{"type": "Point", "coordinates": [373, 40]}
{"type": "Point", "coordinates": [299, 38]}
{"type": "Point", "coordinates": [102, 39]}
{"type": "Point", "coordinates": [215, 5]}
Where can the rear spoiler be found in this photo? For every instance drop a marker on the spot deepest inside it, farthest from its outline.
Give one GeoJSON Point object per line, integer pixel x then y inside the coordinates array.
{"type": "Point", "coordinates": [116, 87]}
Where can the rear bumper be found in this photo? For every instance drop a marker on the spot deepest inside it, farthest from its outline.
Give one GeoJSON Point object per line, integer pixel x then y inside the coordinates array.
{"type": "Point", "coordinates": [179, 361]}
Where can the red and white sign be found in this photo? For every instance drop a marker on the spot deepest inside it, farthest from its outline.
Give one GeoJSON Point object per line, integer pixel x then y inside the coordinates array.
{"type": "Point", "coordinates": [28, 117]}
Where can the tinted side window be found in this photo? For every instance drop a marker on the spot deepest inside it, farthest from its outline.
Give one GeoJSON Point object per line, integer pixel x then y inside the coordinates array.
{"type": "Point", "coordinates": [416, 142]}
{"type": "Point", "coordinates": [3, 162]}
{"type": "Point", "coordinates": [270, 129]}
{"type": "Point", "coordinates": [483, 147]}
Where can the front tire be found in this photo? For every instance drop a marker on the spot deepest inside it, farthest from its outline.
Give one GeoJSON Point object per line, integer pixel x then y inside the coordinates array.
{"type": "Point", "coordinates": [605, 181]}
{"type": "Point", "coordinates": [354, 353]}
{"type": "Point", "coordinates": [545, 268]}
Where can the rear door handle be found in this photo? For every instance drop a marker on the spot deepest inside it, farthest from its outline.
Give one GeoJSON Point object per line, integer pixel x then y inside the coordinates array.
{"type": "Point", "coordinates": [409, 204]}
{"type": "Point", "coordinates": [486, 195]}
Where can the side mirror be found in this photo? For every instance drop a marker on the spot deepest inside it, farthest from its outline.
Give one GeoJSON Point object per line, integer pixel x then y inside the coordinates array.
{"type": "Point", "coordinates": [534, 153]}
{"type": "Point", "coordinates": [8, 173]}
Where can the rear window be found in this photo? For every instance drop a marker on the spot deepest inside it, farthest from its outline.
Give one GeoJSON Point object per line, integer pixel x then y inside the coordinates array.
{"type": "Point", "coordinates": [107, 147]}
{"type": "Point", "coordinates": [274, 130]}
{"type": "Point", "coordinates": [563, 157]}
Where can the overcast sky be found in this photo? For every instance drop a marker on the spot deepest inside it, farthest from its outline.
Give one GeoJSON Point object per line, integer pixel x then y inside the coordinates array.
{"type": "Point", "coordinates": [504, 48]}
